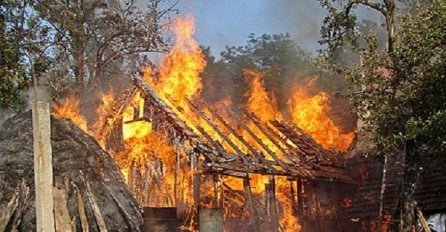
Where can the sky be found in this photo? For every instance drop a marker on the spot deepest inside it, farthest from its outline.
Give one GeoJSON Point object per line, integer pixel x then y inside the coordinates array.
{"type": "Point", "coordinates": [221, 23]}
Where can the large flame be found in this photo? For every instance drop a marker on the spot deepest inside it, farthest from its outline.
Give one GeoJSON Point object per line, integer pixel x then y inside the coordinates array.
{"type": "Point", "coordinates": [150, 163]}
{"type": "Point", "coordinates": [261, 103]}
{"type": "Point", "coordinates": [310, 112]}
{"type": "Point", "coordinates": [179, 75]}
{"type": "Point", "coordinates": [264, 106]}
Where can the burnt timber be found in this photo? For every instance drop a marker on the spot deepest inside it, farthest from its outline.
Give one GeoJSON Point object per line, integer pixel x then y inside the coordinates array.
{"type": "Point", "coordinates": [306, 159]}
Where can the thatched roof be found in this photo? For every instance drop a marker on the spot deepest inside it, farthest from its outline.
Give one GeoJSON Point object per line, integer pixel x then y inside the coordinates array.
{"type": "Point", "coordinates": [83, 173]}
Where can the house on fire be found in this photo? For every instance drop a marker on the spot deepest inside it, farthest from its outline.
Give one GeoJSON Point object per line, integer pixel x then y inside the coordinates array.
{"type": "Point", "coordinates": [322, 190]}
{"type": "Point", "coordinates": [303, 184]}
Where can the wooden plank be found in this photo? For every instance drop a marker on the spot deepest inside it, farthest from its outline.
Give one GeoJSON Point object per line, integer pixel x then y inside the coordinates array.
{"type": "Point", "coordinates": [272, 203]}
{"type": "Point", "coordinates": [300, 201]}
{"type": "Point", "coordinates": [128, 220]}
{"type": "Point", "coordinates": [96, 210]}
{"type": "Point", "coordinates": [7, 211]}
{"type": "Point", "coordinates": [43, 167]}
{"type": "Point", "coordinates": [195, 179]}
{"type": "Point", "coordinates": [61, 214]}
{"type": "Point", "coordinates": [81, 211]}
{"type": "Point", "coordinates": [422, 218]}
{"type": "Point", "coordinates": [23, 191]}
{"type": "Point", "coordinates": [250, 202]}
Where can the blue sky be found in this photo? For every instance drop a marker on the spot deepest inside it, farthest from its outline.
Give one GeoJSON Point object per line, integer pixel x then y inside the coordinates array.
{"type": "Point", "coordinates": [229, 22]}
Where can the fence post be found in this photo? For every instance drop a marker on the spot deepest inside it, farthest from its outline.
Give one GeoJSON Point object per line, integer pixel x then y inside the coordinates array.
{"type": "Point", "coordinates": [43, 169]}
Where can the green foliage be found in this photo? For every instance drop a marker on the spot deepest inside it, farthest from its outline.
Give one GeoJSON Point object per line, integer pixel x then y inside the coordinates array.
{"type": "Point", "coordinates": [12, 72]}
{"type": "Point", "coordinates": [399, 92]}
{"type": "Point", "coordinates": [421, 55]}
{"type": "Point", "coordinates": [62, 44]}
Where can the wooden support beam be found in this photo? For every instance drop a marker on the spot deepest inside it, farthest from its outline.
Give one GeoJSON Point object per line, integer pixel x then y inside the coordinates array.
{"type": "Point", "coordinates": [195, 179]}
{"type": "Point", "coordinates": [177, 173]}
{"type": "Point", "coordinates": [267, 133]}
{"type": "Point", "coordinates": [217, 130]}
{"type": "Point", "coordinates": [62, 216]}
{"type": "Point", "coordinates": [272, 205]}
{"type": "Point", "coordinates": [81, 210]}
{"type": "Point", "coordinates": [216, 192]}
{"type": "Point", "coordinates": [163, 110]}
{"type": "Point", "coordinates": [293, 191]}
{"type": "Point", "coordinates": [232, 130]}
{"type": "Point", "coordinates": [195, 189]}
{"type": "Point", "coordinates": [259, 141]}
{"type": "Point", "coordinates": [299, 196]}
{"type": "Point", "coordinates": [43, 167]}
{"type": "Point", "coordinates": [250, 202]}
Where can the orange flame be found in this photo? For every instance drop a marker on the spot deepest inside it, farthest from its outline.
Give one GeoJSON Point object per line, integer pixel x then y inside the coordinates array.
{"type": "Point", "coordinates": [70, 109]}
{"type": "Point", "coordinates": [179, 73]}
{"type": "Point", "coordinates": [311, 114]}
{"type": "Point", "coordinates": [259, 102]}
{"type": "Point", "coordinates": [149, 160]}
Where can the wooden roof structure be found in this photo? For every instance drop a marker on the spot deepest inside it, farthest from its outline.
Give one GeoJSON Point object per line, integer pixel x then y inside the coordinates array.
{"type": "Point", "coordinates": [300, 155]}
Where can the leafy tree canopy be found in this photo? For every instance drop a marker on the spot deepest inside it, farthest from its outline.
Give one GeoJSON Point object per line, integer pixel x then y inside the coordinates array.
{"type": "Point", "coordinates": [400, 92]}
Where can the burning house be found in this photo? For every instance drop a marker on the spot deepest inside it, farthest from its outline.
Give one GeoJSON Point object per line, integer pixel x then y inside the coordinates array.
{"type": "Point", "coordinates": [196, 166]}
{"type": "Point", "coordinates": [156, 155]}
{"type": "Point", "coordinates": [247, 167]}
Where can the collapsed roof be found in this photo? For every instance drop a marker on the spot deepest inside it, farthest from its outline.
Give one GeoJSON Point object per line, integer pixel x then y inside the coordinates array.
{"type": "Point", "coordinates": [299, 156]}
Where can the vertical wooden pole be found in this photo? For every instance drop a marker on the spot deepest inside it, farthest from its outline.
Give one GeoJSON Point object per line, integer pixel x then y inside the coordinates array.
{"type": "Point", "coordinates": [177, 171]}
{"type": "Point", "coordinates": [250, 203]}
{"type": "Point", "coordinates": [196, 186]}
{"type": "Point", "coordinates": [216, 197]}
{"type": "Point", "coordinates": [195, 179]}
{"type": "Point", "coordinates": [293, 191]}
{"type": "Point", "coordinates": [43, 168]}
{"type": "Point", "coordinates": [272, 204]}
{"type": "Point", "coordinates": [300, 201]}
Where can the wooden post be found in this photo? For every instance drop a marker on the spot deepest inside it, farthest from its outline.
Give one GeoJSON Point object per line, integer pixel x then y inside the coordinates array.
{"type": "Point", "coordinates": [271, 199]}
{"type": "Point", "coordinates": [177, 171]}
{"type": "Point", "coordinates": [293, 191]}
{"type": "Point", "coordinates": [216, 193]}
{"type": "Point", "coordinates": [250, 203]}
{"type": "Point", "coordinates": [196, 186]}
{"type": "Point", "coordinates": [195, 179]}
{"type": "Point", "coordinates": [43, 169]}
{"type": "Point", "coordinates": [300, 201]}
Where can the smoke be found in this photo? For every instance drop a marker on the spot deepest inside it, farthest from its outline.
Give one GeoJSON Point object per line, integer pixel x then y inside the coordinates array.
{"type": "Point", "coordinates": [40, 93]}
{"type": "Point", "coordinates": [301, 19]}
{"type": "Point", "coordinates": [227, 22]}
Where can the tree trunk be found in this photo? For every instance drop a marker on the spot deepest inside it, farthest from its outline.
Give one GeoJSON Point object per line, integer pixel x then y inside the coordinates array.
{"type": "Point", "coordinates": [410, 179]}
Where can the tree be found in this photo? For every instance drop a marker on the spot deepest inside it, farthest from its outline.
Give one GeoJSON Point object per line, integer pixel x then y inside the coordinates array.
{"type": "Point", "coordinates": [277, 56]}
{"type": "Point", "coordinates": [66, 43]}
{"type": "Point", "coordinates": [22, 56]}
{"type": "Point", "coordinates": [11, 73]}
{"type": "Point", "coordinates": [93, 38]}
{"type": "Point", "coordinates": [400, 92]}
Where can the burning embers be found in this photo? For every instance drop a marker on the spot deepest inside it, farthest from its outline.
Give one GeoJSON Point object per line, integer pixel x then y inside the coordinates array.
{"type": "Point", "coordinates": [179, 151]}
